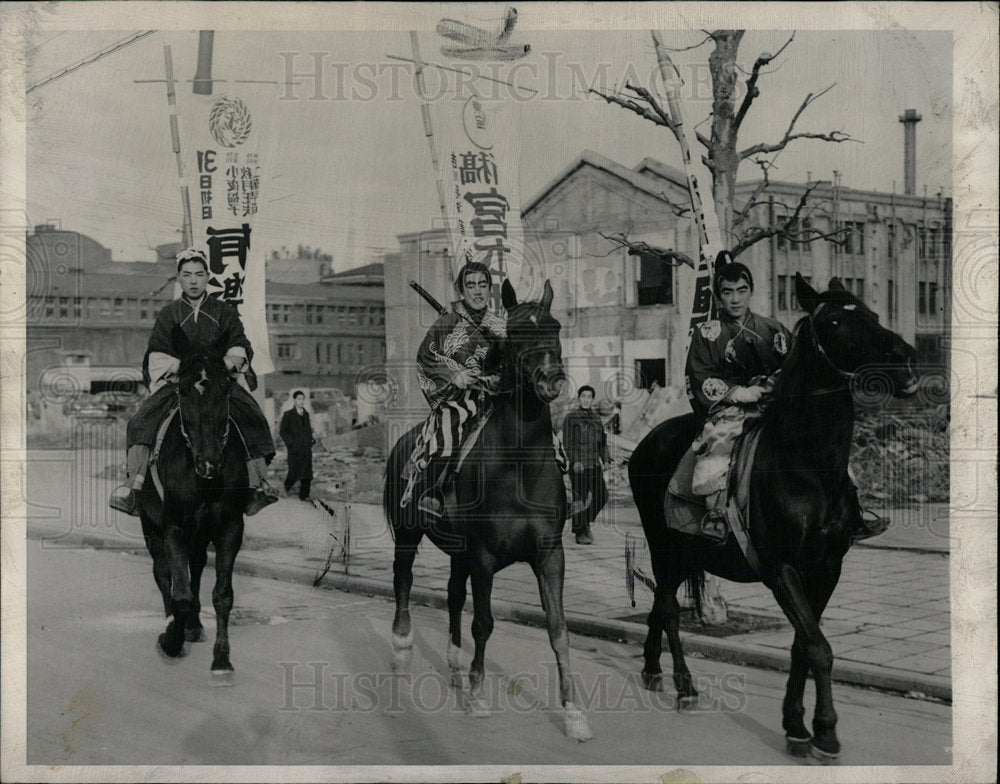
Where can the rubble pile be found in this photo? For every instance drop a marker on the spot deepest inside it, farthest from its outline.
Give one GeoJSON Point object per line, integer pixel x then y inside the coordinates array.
{"type": "Point", "coordinates": [902, 458]}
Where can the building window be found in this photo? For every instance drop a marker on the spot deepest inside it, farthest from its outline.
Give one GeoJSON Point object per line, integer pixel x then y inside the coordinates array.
{"type": "Point", "coordinates": [783, 235]}
{"type": "Point", "coordinates": [932, 299]}
{"type": "Point", "coordinates": [64, 307]}
{"type": "Point", "coordinates": [656, 284]}
{"type": "Point", "coordinates": [317, 353]}
{"type": "Point", "coordinates": [923, 242]}
{"type": "Point", "coordinates": [859, 288]}
{"type": "Point", "coordinates": [319, 314]}
{"type": "Point", "coordinates": [891, 242]}
{"type": "Point", "coordinates": [648, 371]}
{"type": "Point", "coordinates": [922, 298]}
{"type": "Point", "coordinates": [309, 318]}
{"type": "Point", "coordinates": [286, 350]}
{"type": "Point", "coordinates": [805, 244]}
{"type": "Point", "coordinates": [782, 292]}
{"type": "Point", "coordinates": [77, 307]}
{"type": "Point", "coordinates": [853, 241]}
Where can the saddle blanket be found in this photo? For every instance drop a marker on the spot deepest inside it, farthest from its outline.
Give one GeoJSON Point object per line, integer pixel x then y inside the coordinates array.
{"type": "Point", "coordinates": [684, 510]}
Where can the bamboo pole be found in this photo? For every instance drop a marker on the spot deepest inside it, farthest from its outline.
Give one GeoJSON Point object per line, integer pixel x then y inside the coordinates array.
{"type": "Point", "coordinates": [175, 138]}
{"type": "Point", "coordinates": [425, 113]}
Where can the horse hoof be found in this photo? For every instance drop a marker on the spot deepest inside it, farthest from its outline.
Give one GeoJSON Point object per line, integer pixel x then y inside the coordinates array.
{"type": "Point", "coordinates": [195, 635]}
{"type": "Point", "coordinates": [824, 757]}
{"type": "Point", "coordinates": [476, 707]}
{"type": "Point", "coordinates": [577, 726]}
{"type": "Point", "coordinates": [798, 747]}
{"type": "Point", "coordinates": [223, 677]}
{"type": "Point", "coordinates": [652, 682]}
{"type": "Point", "coordinates": [163, 651]}
{"type": "Point", "coordinates": [402, 647]}
{"type": "Point", "coordinates": [454, 657]}
{"type": "Point", "coordinates": [687, 702]}
{"type": "Point", "coordinates": [460, 680]}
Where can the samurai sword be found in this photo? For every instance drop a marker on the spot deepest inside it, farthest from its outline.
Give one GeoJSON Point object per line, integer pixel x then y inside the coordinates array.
{"type": "Point", "coordinates": [441, 309]}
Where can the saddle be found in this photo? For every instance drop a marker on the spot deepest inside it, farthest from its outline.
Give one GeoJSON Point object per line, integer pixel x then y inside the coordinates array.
{"type": "Point", "coordinates": [684, 510]}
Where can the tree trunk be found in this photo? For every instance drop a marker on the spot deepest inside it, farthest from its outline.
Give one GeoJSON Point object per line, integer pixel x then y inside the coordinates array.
{"type": "Point", "coordinates": [723, 158]}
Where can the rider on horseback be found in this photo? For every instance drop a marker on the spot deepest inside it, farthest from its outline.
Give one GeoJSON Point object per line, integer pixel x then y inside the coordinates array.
{"type": "Point", "coordinates": [458, 371]}
{"type": "Point", "coordinates": [732, 369]}
{"type": "Point", "coordinates": [203, 319]}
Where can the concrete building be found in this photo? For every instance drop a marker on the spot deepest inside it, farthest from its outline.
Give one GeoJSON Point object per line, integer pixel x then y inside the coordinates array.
{"type": "Point", "coordinates": [625, 317]}
{"type": "Point", "coordinates": [88, 320]}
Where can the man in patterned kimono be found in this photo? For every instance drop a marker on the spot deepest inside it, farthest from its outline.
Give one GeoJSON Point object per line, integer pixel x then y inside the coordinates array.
{"type": "Point", "coordinates": [458, 371]}
{"type": "Point", "coordinates": [203, 320]}
{"type": "Point", "coordinates": [732, 370]}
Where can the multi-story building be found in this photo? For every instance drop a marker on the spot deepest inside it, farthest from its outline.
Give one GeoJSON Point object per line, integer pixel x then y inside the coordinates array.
{"type": "Point", "coordinates": [88, 318]}
{"type": "Point", "coordinates": [625, 317]}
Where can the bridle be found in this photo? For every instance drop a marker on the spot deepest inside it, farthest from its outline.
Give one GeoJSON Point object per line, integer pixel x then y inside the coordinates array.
{"type": "Point", "coordinates": [187, 438]}
{"type": "Point", "coordinates": [846, 375]}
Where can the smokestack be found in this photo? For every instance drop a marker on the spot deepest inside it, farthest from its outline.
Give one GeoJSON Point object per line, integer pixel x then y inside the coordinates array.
{"type": "Point", "coordinates": [203, 76]}
{"type": "Point", "coordinates": [910, 118]}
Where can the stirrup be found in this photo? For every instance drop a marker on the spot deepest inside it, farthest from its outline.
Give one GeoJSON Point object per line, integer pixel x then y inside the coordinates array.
{"type": "Point", "coordinates": [126, 504]}
{"type": "Point", "coordinates": [430, 503]}
{"type": "Point", "coordinates": [258, 501]}
{"type": "Point", "coordinates": [714, 525]}
{"type": "Point", "coordinates": [870, 526]}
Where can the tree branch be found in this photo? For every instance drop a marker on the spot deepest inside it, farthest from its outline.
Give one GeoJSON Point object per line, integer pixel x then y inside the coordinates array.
{"type": "Point", "coordinates": [755, 234]}
{"type": "Point", "coordinates": [643, 111]}
{"type": "Point", "coordinates": [665, 255]}
{"type": "Point", "coordinates": [752, 91]}
{"type": "Point", "coordinates": [833, 136]}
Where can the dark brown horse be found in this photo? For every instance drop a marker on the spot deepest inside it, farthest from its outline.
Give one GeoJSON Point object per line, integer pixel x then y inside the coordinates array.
{"type": "Point", "coordinates": [510, 502]}
{"type": "Point", "coordinates": [202, 467]}
{"type": "Point", "coordinates": [799, 499]}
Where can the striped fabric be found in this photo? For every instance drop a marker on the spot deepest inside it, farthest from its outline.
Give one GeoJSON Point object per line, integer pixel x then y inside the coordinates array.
{"type": "Point", "coordinates": [442, 435]}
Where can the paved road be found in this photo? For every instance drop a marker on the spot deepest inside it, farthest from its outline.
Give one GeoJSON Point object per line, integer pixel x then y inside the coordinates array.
{"type": "Point", "coordinates": [98, 693]}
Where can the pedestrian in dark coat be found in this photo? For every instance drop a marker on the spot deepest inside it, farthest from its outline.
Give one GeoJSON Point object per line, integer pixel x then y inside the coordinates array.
{"type": "Point", "coordinates": [586, 445]}
{"type": "Point", "coordinates": [296, 432]}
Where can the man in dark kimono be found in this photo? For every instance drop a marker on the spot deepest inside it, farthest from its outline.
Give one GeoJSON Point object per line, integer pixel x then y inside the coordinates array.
{"type": "Point", "coordinates": [732, 370]}
{"type": "Point", "coordinates": [587, 448]}
{"type": "Point", "coordinates": [296, 432]}
{"type": "Point", "coordinates": [203, 320]}
{"type": "Point", "coordinates": [458, 371]}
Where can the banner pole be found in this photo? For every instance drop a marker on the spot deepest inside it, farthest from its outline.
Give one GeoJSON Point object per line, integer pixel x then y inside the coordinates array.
{"type": "Point", "coordinates": [425, 112]}
{"type": "Point", "coordinates": [175, 137]}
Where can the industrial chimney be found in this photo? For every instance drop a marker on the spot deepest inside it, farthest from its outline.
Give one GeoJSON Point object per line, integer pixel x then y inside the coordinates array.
{"type": "Point", "coordinates": [910, 118]}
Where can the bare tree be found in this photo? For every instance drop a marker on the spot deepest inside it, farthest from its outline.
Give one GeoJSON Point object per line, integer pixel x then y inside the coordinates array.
{"type": "Point", "coordinates": [722, 154]}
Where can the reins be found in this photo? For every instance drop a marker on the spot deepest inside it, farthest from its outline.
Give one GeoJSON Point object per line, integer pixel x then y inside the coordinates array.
{"type": "Point", "coordinates": [187, 439]}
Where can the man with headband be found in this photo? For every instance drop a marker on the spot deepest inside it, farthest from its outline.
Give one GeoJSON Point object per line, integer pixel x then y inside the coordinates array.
{"type": "Point", "coordinates": [203, 319]}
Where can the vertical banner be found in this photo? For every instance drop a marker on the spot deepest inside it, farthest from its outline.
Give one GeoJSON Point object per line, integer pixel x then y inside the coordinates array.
{"type": "Point", "coordinates": [228, 152]}
{"type": "Point", "coordinates": [478, 145]}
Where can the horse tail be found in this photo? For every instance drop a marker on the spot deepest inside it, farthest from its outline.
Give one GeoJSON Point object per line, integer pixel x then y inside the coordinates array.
{"type": "Point", "coordinates": [695, 585]}
{"type": "Point", "coordinates": [395, 483]}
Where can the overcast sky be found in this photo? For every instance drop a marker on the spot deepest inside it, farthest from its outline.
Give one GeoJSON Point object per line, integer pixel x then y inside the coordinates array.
{"type": "Point", "coordinates": [353, 167]}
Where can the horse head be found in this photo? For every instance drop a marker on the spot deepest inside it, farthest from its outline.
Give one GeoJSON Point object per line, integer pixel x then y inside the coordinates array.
{"type": "Point", "coordinates": [851, 342]}
{"type": "Point", "coordinates": [535, 353]}
{"type": "Point", "coordinates": [203, 389]}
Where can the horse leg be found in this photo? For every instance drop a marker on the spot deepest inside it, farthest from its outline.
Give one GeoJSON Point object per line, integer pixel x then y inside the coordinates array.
{"type": "Point", "coordinates": [402, 581]}
{"type": "Point", "coordinates": [194, 631]}
{"type": "Point", "coordinates": [161, 568]}
{"type": "Point", "coordinates": [793, 710]}
{"type": "Point", "coordinates": [482, 628]}
{"type": "Point", "coordinates": [171, 642]}
{"type": "Point", "coordinates": [687, 694]}
{"type": "Point", "coordinates": [456, 603]}
{"type": "Point", "coordinates": [816, 654]}
{"type": "Point", "coordinates": [226, 548]}
{"type": "Point", "coordinates": [550, 572]}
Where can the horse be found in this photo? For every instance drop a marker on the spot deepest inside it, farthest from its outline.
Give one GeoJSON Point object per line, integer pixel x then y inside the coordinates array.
{"type": "Point", "coordinates": [503, 513]}
{"type": "Point", "coordinates": [205, 486]}
{"type": "Point", "coordinates": [799, 500]}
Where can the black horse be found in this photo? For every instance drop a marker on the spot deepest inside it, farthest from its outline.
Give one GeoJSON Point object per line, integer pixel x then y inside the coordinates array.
{"type": "Point", "coordinates": [800, 500]}
{"type": "Point", "coordinates": [202, 469]}
{"type": "Point", "coordinates": [510, 502]}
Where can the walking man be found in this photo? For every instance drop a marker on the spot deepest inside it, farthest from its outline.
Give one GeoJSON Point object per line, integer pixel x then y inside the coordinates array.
{"type": "Point", "coordinates": [296, 432]}
{"type": "Point", "coordinates": [587, 448]}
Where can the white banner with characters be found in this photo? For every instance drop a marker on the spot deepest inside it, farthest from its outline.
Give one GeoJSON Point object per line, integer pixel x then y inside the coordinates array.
{"type": "Point", "coordinates": [228, 154]}
{"type": "Point", "coordinates": [479, 154]}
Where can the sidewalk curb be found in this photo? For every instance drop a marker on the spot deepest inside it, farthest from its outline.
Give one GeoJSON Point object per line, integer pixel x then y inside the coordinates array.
{"type": "Point", "coordinates": [715, 648]}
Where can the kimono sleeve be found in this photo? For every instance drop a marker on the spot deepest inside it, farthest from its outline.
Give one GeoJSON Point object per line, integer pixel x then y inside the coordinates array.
{"type": "Point", "coordinates": [435, 370]}
{"type": "Point", "coordinates": [232, 326]}
{"type": "Point", "coordinates": [707, 373]}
